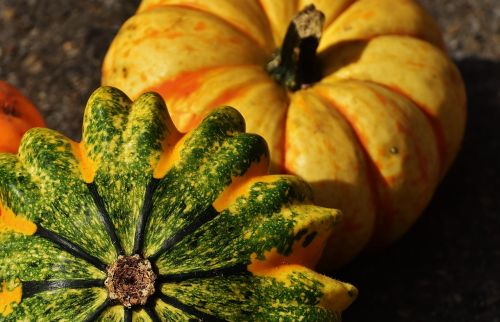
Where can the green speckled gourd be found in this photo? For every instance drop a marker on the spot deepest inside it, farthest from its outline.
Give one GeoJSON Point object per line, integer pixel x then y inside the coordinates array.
{"type": "Point", "coordinates": [141, 223]}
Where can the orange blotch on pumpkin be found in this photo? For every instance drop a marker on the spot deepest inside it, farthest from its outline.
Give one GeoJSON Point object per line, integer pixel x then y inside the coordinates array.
{"type": "Point", "coordinates": [240, 186]}
{"type": "Point", "coordinates": [200, 26]}
{"type": "Point", "coordinates": [172, 146]}
{"type": "Point", "coordinates": [11, 222]}
{"type": "Point", "coordinates": [367, 15]}
{"type": "Point", "coordinates": [230, 94]}
{"type": "Point", "coordinates": [87, 165]}
{"type": "Point", "coordinates": [182, 85]}
{"type": "Point", "coordinates": [160, 34]}
{"type": "Point", "coordinates": [171, 35]}
{"type": "Point", "coordinates": [8, 297]}
{"type": "Point", "coordinates": [416, 65]}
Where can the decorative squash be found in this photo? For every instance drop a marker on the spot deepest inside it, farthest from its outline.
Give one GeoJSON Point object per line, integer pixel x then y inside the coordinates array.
{"type": "Point", "coordinates": [371, 114]}
{"type": "Point", "coordinates": [138, 222]}
{"type": "Point", "coordinates": [17, 115]}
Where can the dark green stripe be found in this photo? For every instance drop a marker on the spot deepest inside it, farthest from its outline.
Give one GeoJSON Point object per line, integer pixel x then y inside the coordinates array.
{"type": "Point", "coordinates": [293, 297]}
{"type": "Point", "coordinates": [31, 288]}
{"type": "Point", "coordinates": [207, 216]}
{"type": "Point", "coordinates": [224, 271]}
{"type": "Point", "coordinates": [152, 313]}
{"type": "Point", "coordinates": [110, 228]}
{"type": "Point", "coordinates": [145, 212]}
{"type": "Point", "coordinates": [68, 246]}
{"type": "Point", "coordinates": [189, 309]}
{"type": "Point", "coordinates": [127, 314]}
{"type": "Point", "coordinates": [93, 317]}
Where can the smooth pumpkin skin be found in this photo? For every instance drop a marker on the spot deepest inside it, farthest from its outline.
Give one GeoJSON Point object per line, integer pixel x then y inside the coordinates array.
{"type": "Point", "coordinates": [17, 115]}
{"type": "Point", "coordinates": [228, 240]}
{"type": "Point", "coordinates": [373, 137]}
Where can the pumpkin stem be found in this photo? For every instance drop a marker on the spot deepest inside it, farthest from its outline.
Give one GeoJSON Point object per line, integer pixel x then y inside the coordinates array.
{"type": "Point", "coordinates": [295, 64]}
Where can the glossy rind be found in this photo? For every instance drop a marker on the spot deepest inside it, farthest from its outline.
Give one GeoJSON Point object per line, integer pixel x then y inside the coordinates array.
{"type": "Point", "coordinates": [214, 222]}
{"type": "Point", "coordinates": [393, 45]}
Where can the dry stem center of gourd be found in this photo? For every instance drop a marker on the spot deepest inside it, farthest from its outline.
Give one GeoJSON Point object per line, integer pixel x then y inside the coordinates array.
{"type": "Point", "coordinates": [130, 280]}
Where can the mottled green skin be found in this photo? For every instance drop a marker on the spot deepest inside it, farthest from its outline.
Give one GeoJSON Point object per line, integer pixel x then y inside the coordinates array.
{"type": "Point", "coordinates": [112, 314]}
{"type": "Point", "coordinates": [60, 305]}
{"type": "Point", "coordinates": [124, 140]}
{"type": "Point", "coordinates": [250, 298]}
{"type": "Point", "coordinates": [214, 153]}
{"type": "Point", "coordinates": [44, 185]}
{"type": "Point", "coordinates": [170, 313]}
{"type": "Point", "coordinates": [31, 258]}
{"type": "Point", "coordinates": [254, 224]}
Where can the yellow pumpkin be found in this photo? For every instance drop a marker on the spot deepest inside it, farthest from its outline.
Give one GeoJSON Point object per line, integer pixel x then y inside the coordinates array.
{"type": "Point", "coordinates": [372, 118]}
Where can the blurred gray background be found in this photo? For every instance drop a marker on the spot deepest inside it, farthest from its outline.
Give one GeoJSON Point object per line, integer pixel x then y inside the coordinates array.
{"type": "Point", "coordinates": [447, 268]}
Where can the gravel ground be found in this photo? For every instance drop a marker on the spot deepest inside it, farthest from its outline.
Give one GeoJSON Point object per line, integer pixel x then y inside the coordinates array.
{"type": "Point", "coordinates": [445, 269]}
